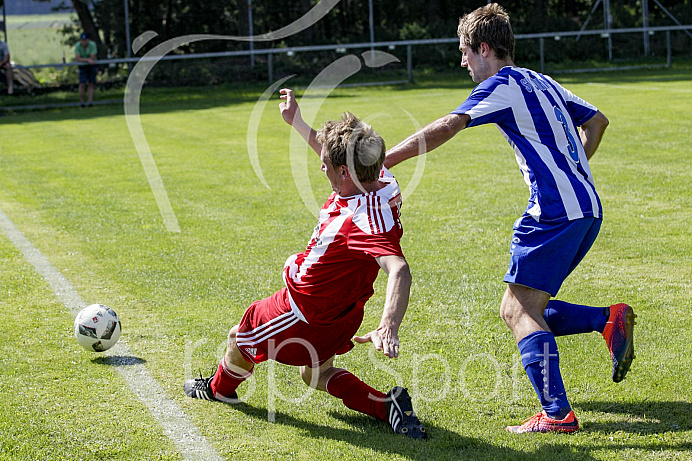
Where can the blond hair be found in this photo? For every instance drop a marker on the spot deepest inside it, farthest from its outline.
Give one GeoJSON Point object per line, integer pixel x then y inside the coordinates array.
{"type": "Point", "coordinates": [489, 24]}
{"type": "Point", "coordinates": [354, 143]}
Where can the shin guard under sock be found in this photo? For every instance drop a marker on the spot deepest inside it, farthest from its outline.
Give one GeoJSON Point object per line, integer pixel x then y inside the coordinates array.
{"type": "Point", "coordinates": [541, 361]}
{"type": "Point", "coordinates": [227, 380]}
{"type": "Point", "coordinates": [357, 395]}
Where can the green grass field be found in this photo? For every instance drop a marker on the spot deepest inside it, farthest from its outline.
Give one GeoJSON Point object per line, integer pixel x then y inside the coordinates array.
{"type": "Point", "coordinates": [36, 39]}
{"type": "Point", "coordinates": [72, 182]}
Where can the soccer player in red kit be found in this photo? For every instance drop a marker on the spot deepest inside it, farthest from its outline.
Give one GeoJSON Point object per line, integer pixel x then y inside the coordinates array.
{"type": "Point", "coordinates": [315, 317]}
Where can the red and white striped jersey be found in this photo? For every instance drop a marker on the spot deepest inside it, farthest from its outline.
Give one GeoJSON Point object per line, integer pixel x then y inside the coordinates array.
{"type": "Point", "coordinates": [336, 272]}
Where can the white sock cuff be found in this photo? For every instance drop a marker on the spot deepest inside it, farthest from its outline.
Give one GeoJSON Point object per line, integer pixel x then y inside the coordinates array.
{"type": "Point", "coordinates": [235, 372]}
{"type": "Point", "coordinates": [338, 373]}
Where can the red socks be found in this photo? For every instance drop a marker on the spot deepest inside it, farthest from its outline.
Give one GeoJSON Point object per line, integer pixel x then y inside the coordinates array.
{"type": "Point", "coordinates": [344, 385]}
{"type": "Point", "coordinates": [226, 381]}
{"type": "Point", "coordinates": [357, 395]}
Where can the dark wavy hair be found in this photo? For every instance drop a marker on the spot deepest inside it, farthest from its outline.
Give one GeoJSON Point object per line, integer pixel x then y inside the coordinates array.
{"type": "Point", "coordinates": [489, 24]}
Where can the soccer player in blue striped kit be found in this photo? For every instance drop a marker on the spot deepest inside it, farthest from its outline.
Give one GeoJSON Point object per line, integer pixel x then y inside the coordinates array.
{"type": "Point", "coordinates": [540, 120]}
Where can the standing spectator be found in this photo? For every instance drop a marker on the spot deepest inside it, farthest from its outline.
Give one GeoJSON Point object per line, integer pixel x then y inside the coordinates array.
{"type": "Point", "coordinates": [6, 65]}
{"type": "Point", "coordinates": [85, 51]}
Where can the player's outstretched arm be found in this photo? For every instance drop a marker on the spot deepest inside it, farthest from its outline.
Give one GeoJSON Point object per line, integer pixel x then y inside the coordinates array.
{"type": "Point", "coordinates": [386, 337]}
{"type": "Point", "coordinates": [426, 139]}
{"type": "Point", "coordinates": [592, 133]}
{"type": "Point", "coordinates": [291, 114]}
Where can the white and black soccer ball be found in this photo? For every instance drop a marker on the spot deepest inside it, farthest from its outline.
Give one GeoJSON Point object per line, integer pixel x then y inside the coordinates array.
{"type": "Point", "coordinates": [97, 328]}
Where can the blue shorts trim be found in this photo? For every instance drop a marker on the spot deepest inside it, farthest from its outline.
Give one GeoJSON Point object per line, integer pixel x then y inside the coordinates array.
{"type": "Point", "coordinates": [543, 255]}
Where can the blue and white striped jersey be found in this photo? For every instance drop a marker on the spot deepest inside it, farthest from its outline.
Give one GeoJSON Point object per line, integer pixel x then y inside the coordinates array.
{"type": "Point", "coordinates": [539, 119]}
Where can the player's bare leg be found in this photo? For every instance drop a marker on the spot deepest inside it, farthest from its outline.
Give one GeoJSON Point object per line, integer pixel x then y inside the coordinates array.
{"type": "Point", "coordinates": [232, 371]}
{"type": "Point", "coordinates": [522, 310]}
{"type": "Point", "coordinates": [234, 358]}
{"type": "Point", "coordinates": [318, 377]}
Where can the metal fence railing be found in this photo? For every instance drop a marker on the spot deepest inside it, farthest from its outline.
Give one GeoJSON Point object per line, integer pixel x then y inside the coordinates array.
{"type": "Point", "coordinates": [271, 52]}
{"type": "Point", "coordinates": [408, 45]}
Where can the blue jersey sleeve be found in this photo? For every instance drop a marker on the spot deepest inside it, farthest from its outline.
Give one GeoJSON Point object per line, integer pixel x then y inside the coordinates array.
{"type": "Point", "coordinates": [489, 102]}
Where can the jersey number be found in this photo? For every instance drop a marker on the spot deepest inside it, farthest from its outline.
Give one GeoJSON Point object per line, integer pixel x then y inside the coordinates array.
{"type": "Point", "coordinates": [571, 144]}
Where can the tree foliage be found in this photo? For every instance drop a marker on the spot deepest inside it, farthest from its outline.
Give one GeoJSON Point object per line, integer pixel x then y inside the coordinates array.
{"type": "Point", "coordinates": [348, 22]}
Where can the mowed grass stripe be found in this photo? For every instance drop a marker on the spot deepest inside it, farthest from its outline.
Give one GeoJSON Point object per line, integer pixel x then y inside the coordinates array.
{"type": "Point", "coordinates": [179, 293]}
{"type": "Point", "coordinates": [186, 436]}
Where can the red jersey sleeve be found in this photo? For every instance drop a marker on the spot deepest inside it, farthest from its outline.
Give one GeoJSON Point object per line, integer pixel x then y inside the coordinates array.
{"type": "Point", "coordinates": [376, 229]}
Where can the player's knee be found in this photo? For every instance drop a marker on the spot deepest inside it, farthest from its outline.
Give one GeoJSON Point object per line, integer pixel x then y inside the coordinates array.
{"type": "Point", "coordinates": [508, 313]}
{"type": "Point", "coordinates": [306, 374]}
{"type": "Point", "coordinates": [309, 376]}
{"type": "Point", "coordinates": [231, 336]}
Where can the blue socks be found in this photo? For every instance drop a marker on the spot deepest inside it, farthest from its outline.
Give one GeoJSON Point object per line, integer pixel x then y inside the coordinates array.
{"type": "Point", "coordinates": [539, 353]}
{"type": "Point", "coordinates": [571, 319]}
{"type": "Point", "coordinates": [542, 364]}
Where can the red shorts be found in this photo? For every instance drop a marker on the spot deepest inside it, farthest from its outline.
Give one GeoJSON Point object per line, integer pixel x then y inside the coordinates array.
{"type": "Point", "coordinates": [269, 329]}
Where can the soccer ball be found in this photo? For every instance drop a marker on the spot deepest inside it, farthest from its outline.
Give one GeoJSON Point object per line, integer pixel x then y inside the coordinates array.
{"type": "Point", "coordinates": [97, 328]}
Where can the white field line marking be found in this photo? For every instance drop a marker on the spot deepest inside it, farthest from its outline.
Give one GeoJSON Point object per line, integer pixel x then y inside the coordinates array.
{"type": "Point", "coordinates": [639, 88]}
{"type": "Point", "coordinates": [184, 434]}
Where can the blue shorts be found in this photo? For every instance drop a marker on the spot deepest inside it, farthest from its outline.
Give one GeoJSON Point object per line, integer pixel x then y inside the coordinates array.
{"type": "Point", "coordinates": [87, 74]}
{"type": "Point", "coordinates": [543, 255]}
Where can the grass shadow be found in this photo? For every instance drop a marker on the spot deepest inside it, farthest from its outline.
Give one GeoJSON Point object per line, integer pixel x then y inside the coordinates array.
{"type": "Point", "coordinates": [643, 418]}
{"type": "Point", "coordinates": [118, 360]}
{"type": "Point", "coordinates": [153, 101]}
{"type": "Point", "coordinates": [442, 444]}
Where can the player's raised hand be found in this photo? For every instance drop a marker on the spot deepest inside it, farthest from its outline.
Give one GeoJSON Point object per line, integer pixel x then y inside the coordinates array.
{"type": "Point", "coordinates": [289, 106]}
{"type": "Point", "coordinates": [383, 339]}
{"type": "Point", "coordinates": [291, 113]}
